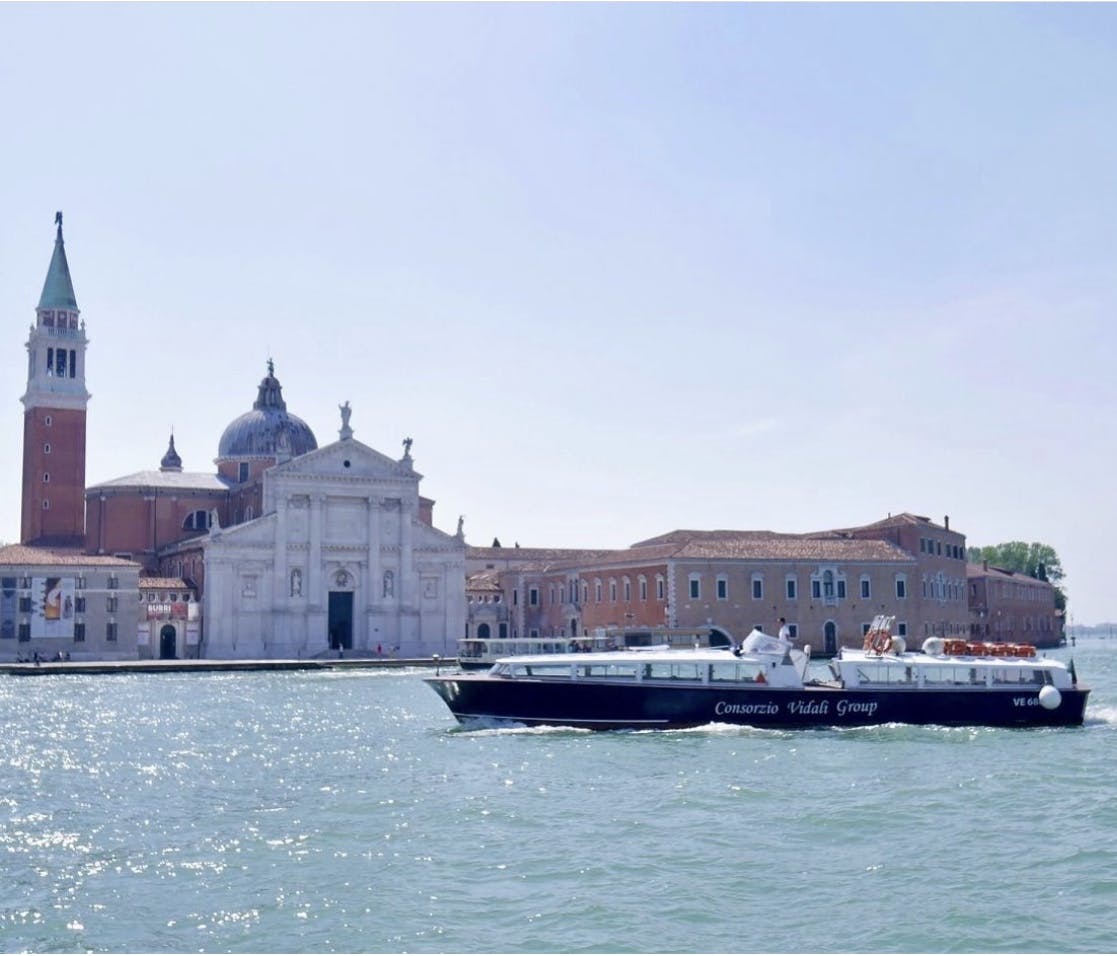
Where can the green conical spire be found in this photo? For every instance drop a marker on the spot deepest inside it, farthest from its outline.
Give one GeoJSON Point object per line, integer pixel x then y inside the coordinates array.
{"type": "Point", "coordinates": [58, 290]}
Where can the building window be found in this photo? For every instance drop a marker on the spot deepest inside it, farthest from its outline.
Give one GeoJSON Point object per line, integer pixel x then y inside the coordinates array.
{"type": "Point", "coordinates": [695, 587]}
{"type": "Point", "coordinates": [46, 477]}
{"type": "Point", "coordinates": [48, 421]}
{"type": "Point", "coordinates": [758, 587]}
{"type": "Point", "coordinates": [723, 588]}
{"type": "Point", "coordinates": [902, 629]}
{"type": "Point", "coordinates": [242, 472]}
{"type": "Point", "coordinates": [79, 632]}
{"type": "Point", "coordinates": [627, 591]}
{"type": "Point", "coordinates": [196, 521]}
{"type": "Point", "coordinates": [25, 605]}
{"type": "Point", "coordinates": [791, 587]}
{"type": "Point", "coordinates": [79, 604]}
{"type": "Point", "coordinates": [111, 603]}
{"type": "Point", "coordinates": [816, 588]}
{"type": "Point", "coordinates": [613, 590]}
{"type": "Point", "coordinates": [901, 586]}
{"type": "Point", "coordinates": [110, 631]}
{"type": "Point", "coordinates": [46, 448]}
{"type": "Point", "coordinates": [114, 582]}
{"type": "Point", "coordinates": [46, 504]}
{"type": "Point", "coordinates": [660, 587]}
{"type": "Point", "coordinates": [841, 584]}
{"type": "Point", "coordinates": [597, 590]}
{"type": "Point", "coordinates": [533, 597]}
{"type": "Point", "coordinates": [866, 588]}
{"type": "Point", "coordinates": [643, 588]}
{"type": "Point", "coordinates": [24, 631]}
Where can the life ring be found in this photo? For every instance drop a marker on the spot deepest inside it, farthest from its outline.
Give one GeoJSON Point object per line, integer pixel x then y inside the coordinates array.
{"type": "Point", "coordinates": [881, 641]}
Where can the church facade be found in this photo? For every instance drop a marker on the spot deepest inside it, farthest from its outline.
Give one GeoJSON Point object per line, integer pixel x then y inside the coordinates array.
{"type": "Point", "coordinates": [340, 561]}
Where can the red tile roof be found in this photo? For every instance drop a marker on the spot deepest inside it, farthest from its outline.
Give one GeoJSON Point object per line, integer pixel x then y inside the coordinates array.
{"type": "Point", "coordinates": [21, 554]}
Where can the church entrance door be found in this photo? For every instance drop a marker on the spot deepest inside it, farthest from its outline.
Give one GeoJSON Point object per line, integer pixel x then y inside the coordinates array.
{"type": "Point", "coordinates": [167, 643]}
{"type": "Point", "coordinates": [341, 619]}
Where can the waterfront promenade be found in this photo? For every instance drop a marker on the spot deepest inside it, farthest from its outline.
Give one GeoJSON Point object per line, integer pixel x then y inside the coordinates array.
{"type": "Point", "coordinates": [202, 665]}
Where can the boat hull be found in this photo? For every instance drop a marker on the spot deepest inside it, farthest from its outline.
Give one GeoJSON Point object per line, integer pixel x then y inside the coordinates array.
{"type": "Point", "coordinates": [604, 705]}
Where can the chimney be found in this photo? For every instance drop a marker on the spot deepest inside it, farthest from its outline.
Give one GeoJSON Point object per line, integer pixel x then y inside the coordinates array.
{"type": "Point", "coordinates": [946, 521]}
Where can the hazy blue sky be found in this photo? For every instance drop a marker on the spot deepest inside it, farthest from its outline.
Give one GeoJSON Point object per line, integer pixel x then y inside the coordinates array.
{"type": "Point", "coordinates": [617, 269]}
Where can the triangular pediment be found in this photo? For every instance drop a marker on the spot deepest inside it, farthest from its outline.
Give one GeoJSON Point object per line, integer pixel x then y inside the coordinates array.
{"type": "Point", "coordinates": [346, 459]}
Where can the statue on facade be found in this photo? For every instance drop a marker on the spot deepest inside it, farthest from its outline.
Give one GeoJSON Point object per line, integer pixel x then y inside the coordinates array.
{"type": "Point", "coordinates": [461, 524]}
{"type": "Point", "coordinates": [407, 447]}
{"type": "Point", "coordinates": [345, 431]}
{"type": "Point", "coordinates": [296, 583]}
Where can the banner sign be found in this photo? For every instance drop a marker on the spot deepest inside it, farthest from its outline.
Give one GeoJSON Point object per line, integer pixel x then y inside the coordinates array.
{"type": "Point", "coordinates": [52, 607]}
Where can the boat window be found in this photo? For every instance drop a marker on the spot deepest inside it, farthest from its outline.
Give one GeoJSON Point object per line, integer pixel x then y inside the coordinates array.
{"type": "Point", "coordinates": [734, 672]}
{"type": "Point", "coordinates": [610, 671]}
{"type": "Point", "coordinates": [663, 670]}
{"type": "Point", "coordinates": [954, 675]}
{"type": "Point", "coordinates": [1017, 675]}
{"type": "Point", "coordinates": [546, 670]}
{"type": "Point", "coordinates": [885, 674]}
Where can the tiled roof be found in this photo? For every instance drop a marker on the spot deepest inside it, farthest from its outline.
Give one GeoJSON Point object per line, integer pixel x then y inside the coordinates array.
{"type": "Point", "coordinates": [980, 570]}
{"type": "Point", "coordinates": [163, 584]}
{"type": "Point", "coordinates": [682, 535]}
{"type": "Point", "coordinates": [20, 554]}
{"type": "Point", "coordinates": [526, 555]}
{"type": "Point", "coordinates": [482, 581]}
{"type": "Point", "coordinates": [177, 480]}
{"type": "Point", "coordinates": [796, 549]}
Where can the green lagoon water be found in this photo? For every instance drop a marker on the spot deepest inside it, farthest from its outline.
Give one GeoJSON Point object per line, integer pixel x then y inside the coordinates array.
{"type": "Point", "coordinates": [346, 812]}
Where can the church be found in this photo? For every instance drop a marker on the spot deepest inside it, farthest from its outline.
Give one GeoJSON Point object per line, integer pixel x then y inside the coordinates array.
{"type": "Point", "coordinates": [292, 550]}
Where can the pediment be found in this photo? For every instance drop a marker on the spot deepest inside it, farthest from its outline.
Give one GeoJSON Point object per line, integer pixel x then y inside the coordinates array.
{"type": "Point", "coordinates": [346, 459]}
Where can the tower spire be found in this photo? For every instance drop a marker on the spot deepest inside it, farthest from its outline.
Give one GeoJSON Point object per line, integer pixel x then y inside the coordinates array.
{"type": "Point", "coordinates": [58, 289]}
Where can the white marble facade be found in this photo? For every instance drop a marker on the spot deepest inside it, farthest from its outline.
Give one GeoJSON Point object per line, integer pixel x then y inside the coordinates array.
{"type": "Point", "coordinates": [339, 562]}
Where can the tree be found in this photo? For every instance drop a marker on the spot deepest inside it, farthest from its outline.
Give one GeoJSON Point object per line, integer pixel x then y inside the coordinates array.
{"type": "Point", "coordinates": [1037, 560]}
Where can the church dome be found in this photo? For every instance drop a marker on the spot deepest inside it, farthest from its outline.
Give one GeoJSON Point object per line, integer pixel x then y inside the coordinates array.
{"type": "Point", "coordinates": [269, 430]}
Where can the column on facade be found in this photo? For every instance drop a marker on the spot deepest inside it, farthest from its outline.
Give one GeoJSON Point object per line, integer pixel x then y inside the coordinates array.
{"type": "Point", "coordinates": [374, 585]}
{"type": "Point", "coordinates": [280, 550]}
{"type": "Point", "coordinates": [407, 574]}
{"type": "Point", "coordinates": [314, 562]}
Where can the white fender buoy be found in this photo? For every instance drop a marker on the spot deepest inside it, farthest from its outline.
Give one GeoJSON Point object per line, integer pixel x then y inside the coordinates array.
{"type": "Point", "coordinates": [1049, 697]}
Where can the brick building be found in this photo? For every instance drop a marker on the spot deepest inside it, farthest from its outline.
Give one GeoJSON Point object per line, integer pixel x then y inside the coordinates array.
{"type": "Point", "coordinates": [827, 585]}
{"type": "Point", "coordinates": [1010, 607]}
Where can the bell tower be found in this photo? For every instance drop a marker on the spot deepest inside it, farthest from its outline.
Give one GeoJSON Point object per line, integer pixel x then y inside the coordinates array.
{"type": "Point", "coordinates": [54, 414]}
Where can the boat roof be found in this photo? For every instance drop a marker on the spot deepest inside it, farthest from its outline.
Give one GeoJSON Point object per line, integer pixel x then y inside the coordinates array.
{"type": "Point", "coordinates": [633, 655]}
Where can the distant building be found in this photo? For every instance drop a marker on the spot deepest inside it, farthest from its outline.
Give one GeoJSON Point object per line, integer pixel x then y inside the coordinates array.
{"type": "Point", "coordinates": [827, 585]}
{"type": "Point", "coordinates": [170, 620]}
{"type": "Point", "coordinates": [56, 603]}
{"type": "Point", "coordinates": [1010, 607]}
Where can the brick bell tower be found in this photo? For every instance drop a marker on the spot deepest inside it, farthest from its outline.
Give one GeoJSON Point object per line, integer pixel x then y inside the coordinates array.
{"type": "Point", "coordinates": [54, 414]}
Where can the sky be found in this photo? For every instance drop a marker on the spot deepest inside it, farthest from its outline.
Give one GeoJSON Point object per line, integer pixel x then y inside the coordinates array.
{"type": "Point", "coordinates": [616, 268]}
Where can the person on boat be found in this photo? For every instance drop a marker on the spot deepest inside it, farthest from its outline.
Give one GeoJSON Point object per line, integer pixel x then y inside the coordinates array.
{"type": "Point", "coordinates": [785, 631]}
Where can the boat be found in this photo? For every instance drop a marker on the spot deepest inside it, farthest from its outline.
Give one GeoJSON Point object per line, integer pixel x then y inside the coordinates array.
{"type": "Point", "coordinates": [765, 683]}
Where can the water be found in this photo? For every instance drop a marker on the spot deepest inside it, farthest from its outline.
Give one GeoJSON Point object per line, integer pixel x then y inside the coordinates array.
{"type": "Point", "coordinates": [328, 812]}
